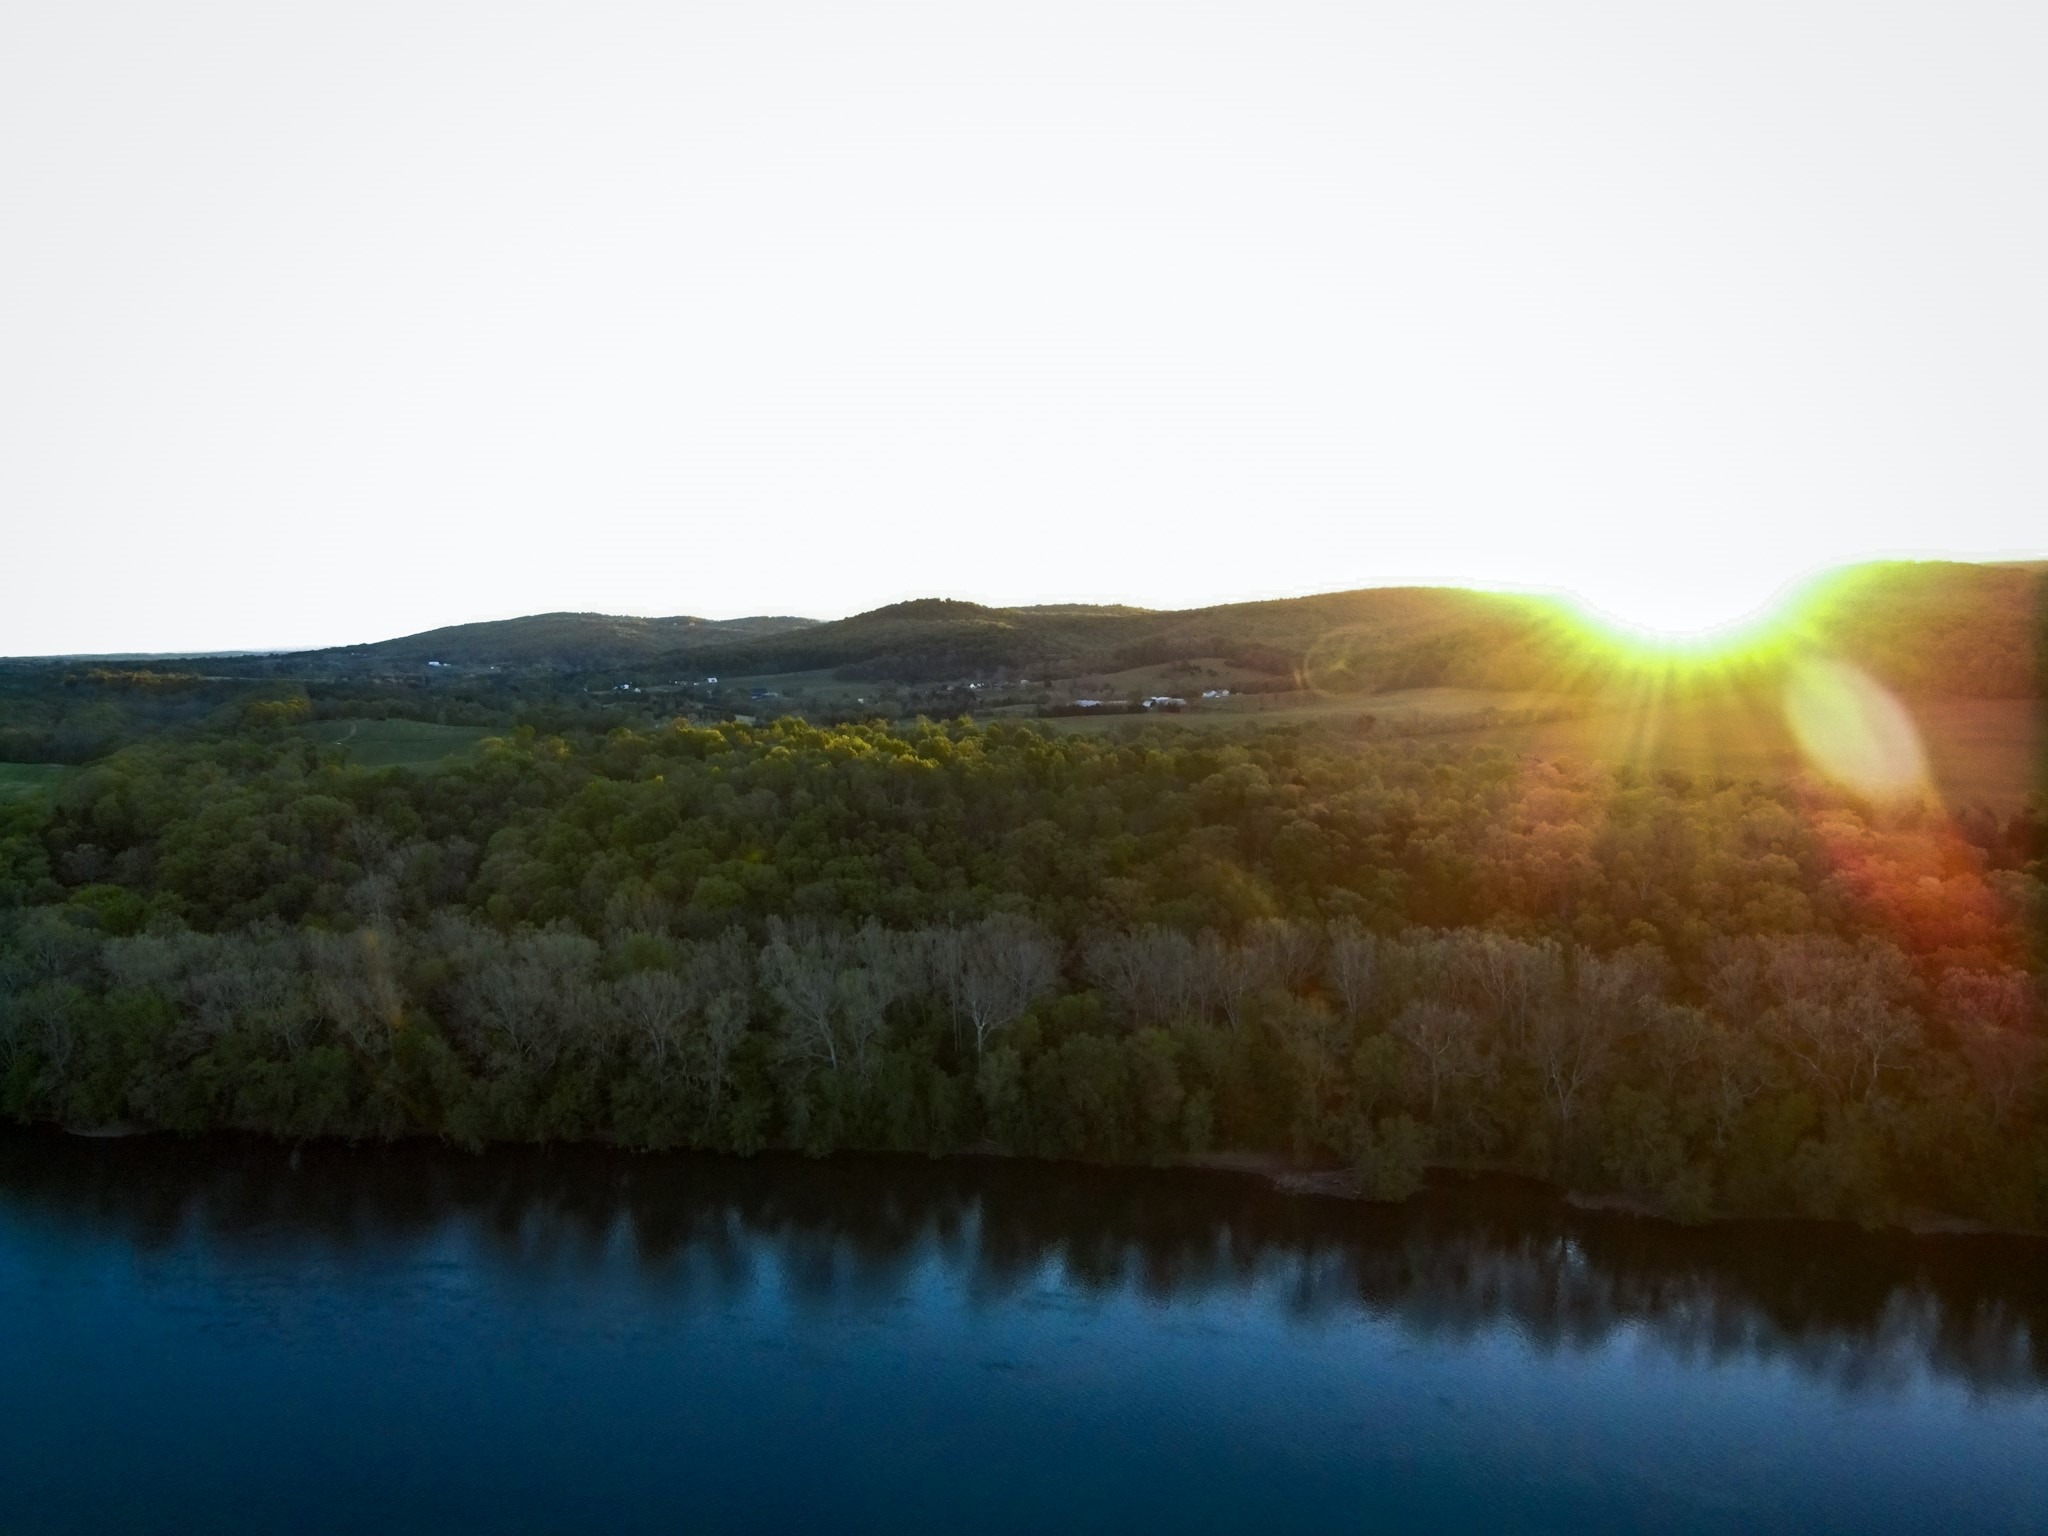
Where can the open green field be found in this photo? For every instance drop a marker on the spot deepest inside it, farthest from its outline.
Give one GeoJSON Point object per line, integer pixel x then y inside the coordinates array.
{"type": "Point", "coordinates": [1413, 711]}
{"type": "Point", "coordinates": [1187, 679]}
{"type": "Point", "coordinates": [18, 781]}
{"type": "Point", "coordinates": [816, 690]}
{"type": "Point", "coordinates": [398, 743]}
{"type": "Point", "coordinates": [1980, 751]}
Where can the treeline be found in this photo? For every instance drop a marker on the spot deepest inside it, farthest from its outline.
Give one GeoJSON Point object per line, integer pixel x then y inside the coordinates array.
{"type": "Point", "coordinates": [50, 713]}
{"type": "Point", "coordinates": [1710, 996]}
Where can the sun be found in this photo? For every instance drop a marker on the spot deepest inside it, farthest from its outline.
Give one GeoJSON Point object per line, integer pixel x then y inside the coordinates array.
{"type": "Point", "coordinates": [1680, 608]}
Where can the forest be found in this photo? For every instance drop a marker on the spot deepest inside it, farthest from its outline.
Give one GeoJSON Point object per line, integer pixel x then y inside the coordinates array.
{"type": "Point", "coordinates": [1368, 958]}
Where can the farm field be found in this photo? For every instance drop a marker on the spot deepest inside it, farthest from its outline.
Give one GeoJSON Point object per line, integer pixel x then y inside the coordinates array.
{"type": "Point", "coordinates": [1427, 711]}
{"type": "Point", "coordinates": [1187, 679]}
{"type": "Point", "coordinates": [817, 690]}
{"type": "Point", "coordinates": [1980, 751]}
{"type": "Point", "coordinates": [414, 744]}
{"type": "Point", "coordinates": [1988, 751]}
{"type": "Point", "coordinates": [18, 781]}
{"type": "Point", "coordinates": [820, 693]}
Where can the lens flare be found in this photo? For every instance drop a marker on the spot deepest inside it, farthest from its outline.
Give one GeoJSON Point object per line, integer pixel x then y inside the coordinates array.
{"type": "Point", "coordinates": [1853, 730]}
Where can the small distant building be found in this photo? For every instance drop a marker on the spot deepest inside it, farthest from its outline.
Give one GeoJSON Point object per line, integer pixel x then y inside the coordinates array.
{"type": "Point", "coordinates": [1215, 693]}
{"type": "Point", "coordinates": [1165, 701]}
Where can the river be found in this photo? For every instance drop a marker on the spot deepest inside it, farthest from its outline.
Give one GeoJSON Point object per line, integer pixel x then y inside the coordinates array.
{"type": "Point", "coordinates": [235, 1335]}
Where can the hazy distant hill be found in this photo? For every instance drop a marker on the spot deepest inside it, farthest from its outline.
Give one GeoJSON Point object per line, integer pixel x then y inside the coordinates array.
{"type": "Point", "coordinates": [1940, 626]}
{"type": "Point", "coordinates": [1932, 627]}
{"type": "Point", "coordinates": [1383, 632]}
{"type": "Point", "coordinates": [571, 641]}
{"type": "Point", "coordinates": [1929, 627]}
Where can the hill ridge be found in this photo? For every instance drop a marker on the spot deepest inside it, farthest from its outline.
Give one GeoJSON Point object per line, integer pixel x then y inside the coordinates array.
{"type": "Point", "coordinates": [1961, 628]}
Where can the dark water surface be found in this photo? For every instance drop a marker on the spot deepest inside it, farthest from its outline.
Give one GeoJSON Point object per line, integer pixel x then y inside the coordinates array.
{"type": "Point", "coordinates": [227, 1335]}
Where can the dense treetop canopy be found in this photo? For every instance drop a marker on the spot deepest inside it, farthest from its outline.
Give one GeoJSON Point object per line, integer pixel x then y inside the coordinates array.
{"type": "Point", "coordinates": [1708, 995]}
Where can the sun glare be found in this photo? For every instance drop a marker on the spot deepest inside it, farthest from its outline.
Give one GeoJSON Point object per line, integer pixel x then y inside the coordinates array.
{"type": "Point", "coordinates": [1681, 608]}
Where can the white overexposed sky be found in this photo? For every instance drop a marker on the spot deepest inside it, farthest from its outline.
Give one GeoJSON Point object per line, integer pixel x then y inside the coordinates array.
{"type": "Point", "coordinates": [322, 323]}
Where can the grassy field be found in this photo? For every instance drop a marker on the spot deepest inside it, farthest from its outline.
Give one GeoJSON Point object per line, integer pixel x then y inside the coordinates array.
{"type": "Point", "coordinates": [1993, 751]}
{"type": "Point", "coordinates": [817, 691]}
{"type": "Point", "coordinates": [398, 743]}
{"type": "Point", "coordinates": [18, 781]}
{"type": "Point", "coordinates": [1980, 751]}
{"type": "Point", "coordinates": [1187, 679]}
{"type": "Point", "coordinates": [1414, 711]}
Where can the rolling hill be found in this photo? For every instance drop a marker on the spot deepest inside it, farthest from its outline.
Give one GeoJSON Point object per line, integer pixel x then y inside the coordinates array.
{"type": "Point", "coordinates": [1945, 628]}
{"type": "Point", "coordinates": [563, 641]}
{"type": "Point", "coordinates": [1934, 628]}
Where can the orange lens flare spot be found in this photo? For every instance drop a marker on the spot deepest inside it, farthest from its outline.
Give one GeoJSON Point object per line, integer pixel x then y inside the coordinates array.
{"type": "Point", "coordinates": [1851, 729]}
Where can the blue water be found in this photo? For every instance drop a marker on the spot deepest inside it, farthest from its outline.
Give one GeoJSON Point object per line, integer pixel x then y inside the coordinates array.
{"type": "Point", "coordinates": [232, 1336]}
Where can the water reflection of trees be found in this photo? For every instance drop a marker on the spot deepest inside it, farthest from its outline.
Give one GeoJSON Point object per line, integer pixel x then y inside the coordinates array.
{"type": "Point", "coordinates": [1855, 1308]}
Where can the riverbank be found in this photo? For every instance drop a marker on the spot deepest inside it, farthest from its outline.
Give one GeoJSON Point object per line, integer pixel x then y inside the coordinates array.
{"type": "Point", "coordinates": [1271, 1168]}
{"type": "Point", "coordinates": [1342, 1184]}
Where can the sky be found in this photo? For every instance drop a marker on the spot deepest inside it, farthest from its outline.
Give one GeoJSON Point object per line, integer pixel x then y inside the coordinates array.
{"type": "Point", "coordinates": [322, 324]}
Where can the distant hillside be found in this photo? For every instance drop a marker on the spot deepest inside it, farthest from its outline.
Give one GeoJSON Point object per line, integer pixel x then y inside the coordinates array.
{"type": "Point", "coordinates": [1925, 627]}
{"type": "Point", "coordinates": [568, 641]}
{"type": "Point", "coordinates": [1379, 638]}
{"type": "Point", "coordinates": [1939, 626]}
{"type": "Point", "coordinates": [1933, 627]}
{"type": "Point", "coordinates": [935, 638]}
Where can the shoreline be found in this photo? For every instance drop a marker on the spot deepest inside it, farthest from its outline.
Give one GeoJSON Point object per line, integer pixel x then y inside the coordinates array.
{"type": "Point", "coordinates": [1339, 1184]}
{"type": "Point", "coordinates": [1271, 1168]}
